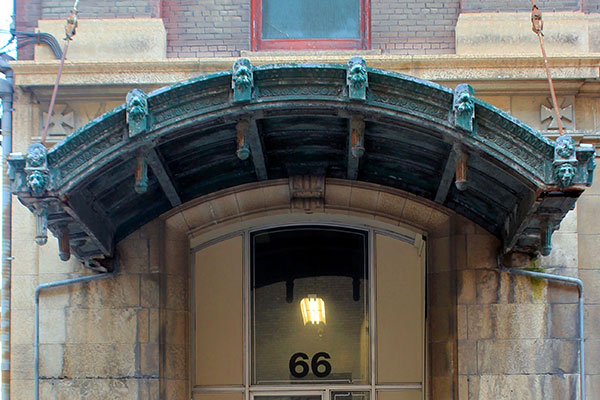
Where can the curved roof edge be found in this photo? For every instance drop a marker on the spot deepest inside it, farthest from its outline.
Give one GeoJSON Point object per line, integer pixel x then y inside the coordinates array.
{"type": "Point", "coordinates": [251, 124]}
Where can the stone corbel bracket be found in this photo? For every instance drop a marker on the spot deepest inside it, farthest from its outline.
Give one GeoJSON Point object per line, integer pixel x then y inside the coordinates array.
{"type": "Point", "coordinates": [33, 182]}
{"type": "Point", "coordinates": [307, 193]}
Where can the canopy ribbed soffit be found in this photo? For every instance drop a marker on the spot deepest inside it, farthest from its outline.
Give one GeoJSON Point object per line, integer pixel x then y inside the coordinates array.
{"type": "Point", "coordinates": [250, 124]}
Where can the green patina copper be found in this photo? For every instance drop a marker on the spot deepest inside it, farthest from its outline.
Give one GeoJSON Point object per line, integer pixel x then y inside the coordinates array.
{"type": "Point", "coordinates": [298, 121]}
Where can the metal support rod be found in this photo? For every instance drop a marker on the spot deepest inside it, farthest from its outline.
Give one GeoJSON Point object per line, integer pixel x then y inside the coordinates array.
{"type": "Point", "coordinates": [6, 92]}
{"type": "Point", "coordinates": [50, 285]}
{"type": "Point", "coordinates": [570, 281]}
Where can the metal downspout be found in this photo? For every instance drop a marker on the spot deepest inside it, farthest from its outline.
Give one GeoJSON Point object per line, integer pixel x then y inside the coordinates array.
{"type": "Point", "coordinates": [570, 281]}
{"type": "Point", "coordinates": [50, 285]}
{"type": "Point", "coordinates": [6, 93]}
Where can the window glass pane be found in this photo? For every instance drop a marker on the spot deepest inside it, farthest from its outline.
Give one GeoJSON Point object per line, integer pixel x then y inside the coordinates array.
{"type": "Point", "coordinates": [310, 302]}
{"type": "Point", "coordinates": [399, 312]}
{"type": "Point", "coordinates": [310, 19]}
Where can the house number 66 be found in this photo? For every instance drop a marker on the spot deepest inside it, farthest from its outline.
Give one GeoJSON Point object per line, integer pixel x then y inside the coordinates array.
{"type": "Point", "coordinates": [297, 361]}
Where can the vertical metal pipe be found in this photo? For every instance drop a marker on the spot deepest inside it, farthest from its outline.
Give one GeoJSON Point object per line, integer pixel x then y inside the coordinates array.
{"type": "Point", "coordinates": [6, 92]}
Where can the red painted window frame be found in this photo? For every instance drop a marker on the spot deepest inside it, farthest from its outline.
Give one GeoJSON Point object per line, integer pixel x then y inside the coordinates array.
{"type": "Point", "coordinates": [258, 44]}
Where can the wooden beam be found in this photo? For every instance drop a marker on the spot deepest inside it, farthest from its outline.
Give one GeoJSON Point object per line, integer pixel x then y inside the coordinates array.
{"type": "Point", "coordinates": [356, 149]}
{"type": "Point", "coordinates": [256, 150]}
{"type": "Point", "coordinates": [447, 178]}
{"type": "Point", "coordinates": [164, 179]}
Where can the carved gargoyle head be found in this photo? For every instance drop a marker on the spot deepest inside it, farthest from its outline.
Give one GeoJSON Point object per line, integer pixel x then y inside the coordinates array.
{"type": "Point", "coordinates": [357, 72]}
{"type": "Point", "coordinates": [463, 103]}
{"type": "Point", "coordinates": [565, 173]}
{"type": "Point", "coordinates": [137, 105]}
{"type": "Point", "coordinates": [242, 74]}
{"type": "Point", "coordinates": [37, 182]}
{"type": "Point", "coordinates": [565, 147]}
{"type": "Point", "coordinates": [36, 155]}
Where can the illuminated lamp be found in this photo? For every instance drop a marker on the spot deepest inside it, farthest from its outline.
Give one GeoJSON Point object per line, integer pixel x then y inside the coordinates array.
{"type": "Point", "coordinates": [313, 310]}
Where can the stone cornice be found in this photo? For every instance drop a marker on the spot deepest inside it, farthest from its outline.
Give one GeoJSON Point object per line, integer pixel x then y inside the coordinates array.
{"type": "Point", "coordinates": [488, 74]}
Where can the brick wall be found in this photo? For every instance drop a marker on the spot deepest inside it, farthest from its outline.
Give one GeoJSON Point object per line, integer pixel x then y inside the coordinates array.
{"type": "Point", "coordinates": [413, 27]}
{"type": "Point", "coordinates": [27, 14]}
{"type": "Point", "coordinates": [60, 9]}
{"type": "Point", "coordinates": [206, 28]}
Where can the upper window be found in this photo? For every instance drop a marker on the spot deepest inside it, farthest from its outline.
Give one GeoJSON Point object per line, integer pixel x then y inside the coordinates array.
{"type": "Point", "coordinates": [310, 24]}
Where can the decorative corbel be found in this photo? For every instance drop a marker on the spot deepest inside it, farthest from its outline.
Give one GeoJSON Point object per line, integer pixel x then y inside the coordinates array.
{"type": "Point", "coordinates": [36, 169]}
{"type": "Point", "coordinates": [41, 224]}
{"type": "Point", "coordinates": [565, 161]}
{"type": "Point", "coordinates": [357, 129]}
{"type": "Point", "coordinates": [141, 175]}
{"type": "Point", "coordinates": [464, 107]}
{"type": "Point", "coordinates": [461, 177]}
{"type": "Point", "coordinates": [138, 114]}
{"type": "Point", "coordinates": [243, 149]}
{"type": "Point", "coordinates": [64, 245]}
{"type": "Point", "coordinates": [357, 78]}
{"type": "Point", "coordinates": [242, 80]}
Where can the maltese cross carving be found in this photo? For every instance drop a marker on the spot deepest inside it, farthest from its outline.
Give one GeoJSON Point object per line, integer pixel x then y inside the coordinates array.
{"type": "Point", "coordinates": [548, 116]}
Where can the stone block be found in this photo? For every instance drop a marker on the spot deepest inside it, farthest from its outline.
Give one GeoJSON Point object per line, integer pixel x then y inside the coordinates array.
{"type": "Point", "coordinates": [176, 227]}
{"type": "Point", "coordinates": [564, 320]}
{"type": "Point", "coordinates": [176, 327]}
{"type": "Point", "coordinates": [101, 360]}
{"type": "Point", "coordinates": [277, 195]}
{"type": "Point", "coordinates": [121, 291]}
{"type": "Point", "coordinates": [95, 326]}
{"type": "Point", "coordinates": [501, 102]}
{"type": "Point", "coordinates": [592, 383]}
{"type": "Point", "coordinates": [442, 387]}
{"type": "Point", "coordinates": [23, 287]}
{"type": "Point", "coordinates": [487, 284]}
{"type": "Point", "coordinates": [25, 255]}
{"type": "Point", "coordinates": [53, 326]}
{"type": "Point", "coordinates": [526, 290]}
{"type": "Point", "coordinates": [461, 322]}
{"type": "Point", "coordinates": [416, 213]}
{"type": "Point", "coordinates": [439, 224]}
{"type": "Point", "coordinates": [57, 297]}
{"type": "Point", "coordinates": [588, 219]}
{"type": "Point", "coordinates": [522, 387]}
{"type": "Point", "coordinates": [122, 39]}
{"type": "Point", "coordinates": [149, 290]}
{"type": "Point", "coordinates": [21, 361]}
{"type": "Point", "coordinates": [591, 283]}
{"type": "Point", "coordinates": [224, 207]}
{"type": "Point", "coordinates": [467, 357]}
{"type": "Point", "coordinates": [442, 358]}
{"type": "Point", "coordinates": [149, 389]}
{"type": "Point", "coordinates": [479, 325]}
{"type": "Point", "coordinates": [176, 360]}
{"type": "Point", "coordinates": [337, 195]}
{"type": "Point", "coordinates": [591, 319]}
{"type": "Point", "coordinates": [143, 326]}
{"type": "Point", "coordinates": [592, 356]}
{"type": "Point", "coordinates": [154, 328]}
{"type": "Point", "coordinates": [519, 321]}
{"type": "Point", "coordinates": [460, 251]}
{"type": "Point", "coordinates": [248, 201]}
{"type": "Point", "coordinates": [588, 251]}
{"type": "Point", "coordinates": [93, 389]}
{"type": "Point", "coordinates": [466, 287]}
{"type": "Point", "coordinates": [176, 389]}
{"type": "Point", "coordinates": [149, 359]}
{"type": "Point", "coordinates": [564, 251]}
{"type": "Point", "coordinates": [176, 287]}
{"type": "Point", "coordinates": [50, 263]}
{"type": "Point", "coordinates": [526, 356]}
{"type": "Point", "coordinates": [363, 199]}
{"type": "Point", "coordinates": [198, 215]}
{"type": "Point", "coordinates": [51, 360]}
{"type": "Point", "coordinates": [481, 251]}
{"type": "Point", "coordinates": [22, 326]}
{"type": "Point", "coordinates": [560, 387]}
{"type": "Point", "coordinates": [439, 255]}
{"type": "Point", "coordinates": [440, 323]}
{"type": "Point", "coordinates": [176, 257]}
{"type": "Point", "coordinates": [440, 289]}
{"type": "Point", "coordinates": [134, 253]}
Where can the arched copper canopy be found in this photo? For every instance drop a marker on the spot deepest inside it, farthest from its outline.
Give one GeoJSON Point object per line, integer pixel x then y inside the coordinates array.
{"type": "Point", "coordinates": [275, 121]}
